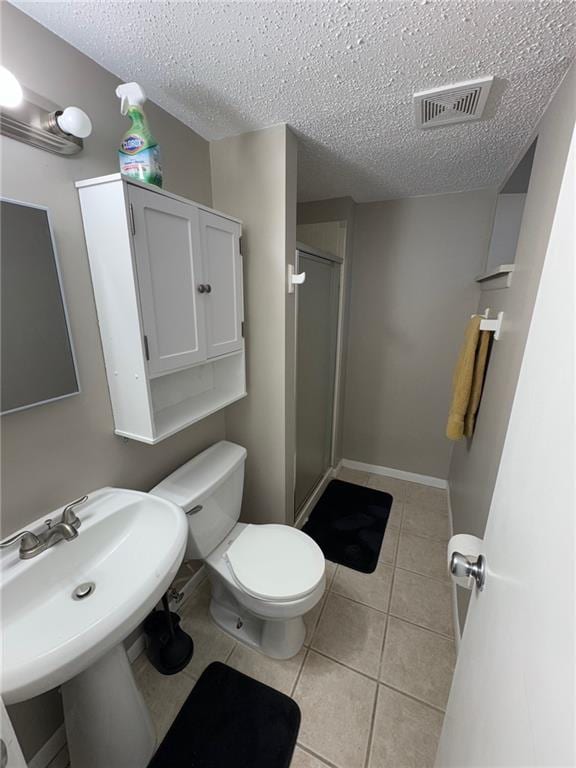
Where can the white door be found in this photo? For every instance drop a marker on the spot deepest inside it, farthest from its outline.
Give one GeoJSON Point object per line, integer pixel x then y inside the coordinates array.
{"type": "Point", "coordinates": [220, 240]}
{"type": "Point", "coordinates": [512, 698]}
{"type": "Point", "coordinates": [169, 266]}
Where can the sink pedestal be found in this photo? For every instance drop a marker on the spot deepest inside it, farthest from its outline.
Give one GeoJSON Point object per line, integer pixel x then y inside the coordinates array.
{"type": "Point", "coordinates": [107, 722]}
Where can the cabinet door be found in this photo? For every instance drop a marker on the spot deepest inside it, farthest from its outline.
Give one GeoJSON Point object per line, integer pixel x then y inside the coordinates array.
{"type": "Point", "coordinates": [169, 265]}
{"type": "Point", "coordinates": [223, 276]}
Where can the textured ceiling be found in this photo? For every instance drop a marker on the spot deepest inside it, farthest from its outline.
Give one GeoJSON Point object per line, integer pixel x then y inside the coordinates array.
{"type": "Point", "coordinates": [342, 75]}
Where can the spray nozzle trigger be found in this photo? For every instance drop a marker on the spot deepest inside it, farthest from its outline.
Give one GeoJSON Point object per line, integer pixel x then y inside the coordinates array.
{"type": "Point", "coordinates": [130, 94]}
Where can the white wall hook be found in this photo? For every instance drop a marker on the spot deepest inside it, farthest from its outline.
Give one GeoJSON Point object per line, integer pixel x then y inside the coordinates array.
{"type": "Point", "coordinates": [294, 278]}
{"type": "Point", "coordinates": [492, 324]}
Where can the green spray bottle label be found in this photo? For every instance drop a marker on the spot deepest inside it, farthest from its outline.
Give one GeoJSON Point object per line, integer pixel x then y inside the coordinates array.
{"type": "Point", "coordinates": [139, 153]}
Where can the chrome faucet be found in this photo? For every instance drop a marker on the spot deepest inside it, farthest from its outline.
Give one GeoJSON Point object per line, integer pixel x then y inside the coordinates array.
{"type": "Point", "coordinates": [31, 544]}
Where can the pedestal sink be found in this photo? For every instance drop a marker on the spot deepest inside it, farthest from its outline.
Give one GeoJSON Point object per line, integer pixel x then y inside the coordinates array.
{"type": "Point", "coordinates": [128, 549]}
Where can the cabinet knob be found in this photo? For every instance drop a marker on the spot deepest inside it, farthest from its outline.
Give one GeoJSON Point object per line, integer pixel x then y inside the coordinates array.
{"type": "Point", "coordinates": [201, 288]}
{"type": "Point", "coordinates": [208, 288]}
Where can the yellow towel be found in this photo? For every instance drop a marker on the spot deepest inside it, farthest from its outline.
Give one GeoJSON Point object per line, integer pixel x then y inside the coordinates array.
{"type": "Point", "coordinates": [467, 381]}
{"type": "Point", "coordinates": [477, 383]}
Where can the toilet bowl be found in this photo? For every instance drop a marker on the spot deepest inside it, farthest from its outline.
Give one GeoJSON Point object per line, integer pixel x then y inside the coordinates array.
{"type": "Point", "coordinates": [264, 578]}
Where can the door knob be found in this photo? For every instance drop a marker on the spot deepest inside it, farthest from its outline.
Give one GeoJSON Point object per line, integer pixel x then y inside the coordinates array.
{"type": "Point", "coordinates": [460, 565]}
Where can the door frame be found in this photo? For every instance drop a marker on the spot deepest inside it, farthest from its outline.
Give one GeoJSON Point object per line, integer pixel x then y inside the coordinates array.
{"type": "Point", "coordinates": [340, 263]}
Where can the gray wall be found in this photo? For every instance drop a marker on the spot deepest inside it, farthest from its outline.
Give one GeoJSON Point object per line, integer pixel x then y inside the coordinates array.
{"type": "Point", "coordinates": [337, 209]}
{"type": "Point", "coordinates": [253, 178]}
{"type": "Point", "coordinates": [54, 453]}
{"type": "Point", "coordinates": [475, 463]}
{"type": "Point", "coordinates": [413, 290]}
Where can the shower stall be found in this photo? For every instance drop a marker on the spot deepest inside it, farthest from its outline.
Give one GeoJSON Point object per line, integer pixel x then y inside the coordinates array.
{"type": "Point", "coordinates": [317, 352]}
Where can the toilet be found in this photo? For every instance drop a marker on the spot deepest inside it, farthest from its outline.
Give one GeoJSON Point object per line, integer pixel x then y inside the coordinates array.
{"type": "Point", "coordinates": [264, 578]}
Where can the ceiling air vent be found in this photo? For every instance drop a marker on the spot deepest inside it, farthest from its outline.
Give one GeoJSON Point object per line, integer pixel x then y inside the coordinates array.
{"type": "Point", "coordinates": [457, 103]}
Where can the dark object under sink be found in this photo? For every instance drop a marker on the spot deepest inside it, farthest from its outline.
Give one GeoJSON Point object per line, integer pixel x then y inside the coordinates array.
{"type": "Point", "coordinates": [168, 647]}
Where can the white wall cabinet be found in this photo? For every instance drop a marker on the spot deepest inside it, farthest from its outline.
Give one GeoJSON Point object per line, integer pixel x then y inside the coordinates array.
{"type": "Point", "coordinates": [167, 278]}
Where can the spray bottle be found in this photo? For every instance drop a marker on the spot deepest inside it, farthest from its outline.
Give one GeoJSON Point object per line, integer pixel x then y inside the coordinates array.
{"type": "Point", "coordinates": [139, 153]}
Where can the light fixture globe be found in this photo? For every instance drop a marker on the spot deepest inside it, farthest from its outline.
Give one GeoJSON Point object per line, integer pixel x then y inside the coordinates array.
{"type": "Point", "coordinates": [10, 89]}
{"type": "Point", "coordinates": [75, 122]}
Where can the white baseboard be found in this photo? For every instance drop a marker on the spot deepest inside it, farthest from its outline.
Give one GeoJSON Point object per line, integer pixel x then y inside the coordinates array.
{"type": "Point", "coordinates": [399, 474]}
{"type": "Point", "coordinates": [455, 614]}
{"type": "Point", "coordinates": [54, 753]}
{"type": "Point", "coordinates": [314, 496]}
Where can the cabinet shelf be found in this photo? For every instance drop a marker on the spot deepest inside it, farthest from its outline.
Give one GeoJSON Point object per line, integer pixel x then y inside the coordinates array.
{"type": "Point", "coordinates": [185, 397]}
{"type": "Point", "coordinates": [501, 269]}
{"type": "Point", "coordinates": [496, 278]}
{"type": "Point", "coordinates": [177, 417]}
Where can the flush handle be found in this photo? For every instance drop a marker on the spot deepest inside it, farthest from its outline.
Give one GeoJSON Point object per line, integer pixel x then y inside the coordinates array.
{"type": "Point", "coordinates": [195, 510]}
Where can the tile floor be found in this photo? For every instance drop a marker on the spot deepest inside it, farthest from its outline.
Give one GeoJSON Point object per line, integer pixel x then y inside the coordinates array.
{"type": "Point", "coordinates": [373, 677]}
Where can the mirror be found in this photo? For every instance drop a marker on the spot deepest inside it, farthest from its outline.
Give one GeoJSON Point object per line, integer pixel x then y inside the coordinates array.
{"type": "Point", "coordinates": [37, 356]}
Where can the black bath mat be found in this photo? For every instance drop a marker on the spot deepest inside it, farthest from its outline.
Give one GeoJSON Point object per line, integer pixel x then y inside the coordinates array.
{"type": "Point", "coordinates": [348, 524]}
{"type": "Point", "coordinates": [231, 721]}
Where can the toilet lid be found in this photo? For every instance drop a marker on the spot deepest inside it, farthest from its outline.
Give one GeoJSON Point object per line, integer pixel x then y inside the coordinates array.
{"type": "Point", "coordinates": [275, 562]}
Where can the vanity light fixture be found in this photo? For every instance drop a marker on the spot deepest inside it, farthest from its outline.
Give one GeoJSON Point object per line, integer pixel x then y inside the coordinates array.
{"type": "Point", "coordinates": [28, 117]}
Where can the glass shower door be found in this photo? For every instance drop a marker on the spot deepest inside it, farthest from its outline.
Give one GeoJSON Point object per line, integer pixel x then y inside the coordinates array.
{"type": "Point", "coordinates": [317, 331]}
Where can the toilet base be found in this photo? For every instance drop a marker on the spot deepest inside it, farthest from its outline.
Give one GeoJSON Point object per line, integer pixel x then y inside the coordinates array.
{"type": "Point", "coordinates": [280, 639]}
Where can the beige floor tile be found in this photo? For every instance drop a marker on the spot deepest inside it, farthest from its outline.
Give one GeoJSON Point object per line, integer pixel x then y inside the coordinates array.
{"type": "Point", "coordinates": [330, 573]}
{"type": "Point", "coordinates": [437, 498]}
{"type": "Point", "coordinates": [336, 706]}
{"type": "Point", "coordinates": [425, 521]}
{"type": "Point", "coordinates": [311, 619]}
{"type": "Point", "coordinates": [372, 589]}
{"type": "Point", "coordinates": [351, 633]}
{"type": "Point", "coordinates": [422, 601]}
{"type": "Point", "coordinates": [277, 674]}
{"type": "Point", "coordinates": [352, 476]}
{"type": "Point", "coordinates": [302, 759]}
{"type": "Point", "coordinates": [405, 734]}
{"type": "Point", "coordinates": [210, 643]}
{"type": "Point", "coordinates": [397, 488]}
{"type": "Point", "coordinates": [422, 555]}
{"type": "Point", "coordinates": [396, 514]}
{"type": "Point", "coordinates": [163, 694]}
{"type": "Point", "coordinates": [418, 662]}
{"type": "Point", "coordinates": [389, 545]}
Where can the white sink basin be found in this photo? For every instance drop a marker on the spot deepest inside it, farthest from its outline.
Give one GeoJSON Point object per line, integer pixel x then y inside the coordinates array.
{"type": "Point", "coordinates": [129, 545]}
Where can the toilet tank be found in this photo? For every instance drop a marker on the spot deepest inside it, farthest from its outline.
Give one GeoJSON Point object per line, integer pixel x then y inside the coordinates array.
{"type": "Point", "coordinates": [209, 489]}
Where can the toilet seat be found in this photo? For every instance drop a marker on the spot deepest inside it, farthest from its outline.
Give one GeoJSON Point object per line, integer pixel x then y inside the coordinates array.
{"type": "Point", "coordinates": [275, 562]}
